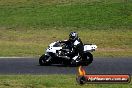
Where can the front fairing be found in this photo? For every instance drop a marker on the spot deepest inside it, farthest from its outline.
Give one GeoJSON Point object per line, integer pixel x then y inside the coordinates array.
{"type": "Point", "coordinates": [53, 47]}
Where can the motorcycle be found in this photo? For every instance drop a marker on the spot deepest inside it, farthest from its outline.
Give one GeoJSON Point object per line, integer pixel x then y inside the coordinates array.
{"type": "Point", "coordinates": [56, 53]}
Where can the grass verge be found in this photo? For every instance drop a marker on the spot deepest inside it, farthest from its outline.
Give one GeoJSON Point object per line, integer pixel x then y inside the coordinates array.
{"type": "Point", "coordinates": [50, 81]}
{"type": "Point", "coordinates": [33, 42]}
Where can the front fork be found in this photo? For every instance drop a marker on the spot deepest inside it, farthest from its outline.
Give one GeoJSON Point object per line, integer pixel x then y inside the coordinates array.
{"type": "Point", "coordinates": [48, 57]}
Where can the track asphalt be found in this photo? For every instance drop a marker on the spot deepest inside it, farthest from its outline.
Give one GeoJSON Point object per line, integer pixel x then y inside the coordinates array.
{"type": "Point", "coordinates": [13, 66]}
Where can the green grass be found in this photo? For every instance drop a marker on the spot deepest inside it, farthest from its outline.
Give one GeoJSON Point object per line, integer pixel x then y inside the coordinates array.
{"type": "Point", "coordinates": [97, 14]}
{"type": "Point", "coordinates": [33, 42]}
{"type": "Point", "coordinates": [50, 81]}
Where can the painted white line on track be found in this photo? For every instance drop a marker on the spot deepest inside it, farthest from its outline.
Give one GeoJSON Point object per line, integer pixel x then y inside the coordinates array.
{"type": "Point", "coordinates": [17, 57]}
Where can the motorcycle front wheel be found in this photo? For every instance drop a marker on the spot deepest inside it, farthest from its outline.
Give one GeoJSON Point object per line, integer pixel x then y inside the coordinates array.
{"type": "Point", "coordinates": [42, 60]}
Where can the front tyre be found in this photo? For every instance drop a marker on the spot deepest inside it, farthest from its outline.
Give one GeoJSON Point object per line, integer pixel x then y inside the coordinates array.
{"type": "Point", "coordinates": [42, 60]}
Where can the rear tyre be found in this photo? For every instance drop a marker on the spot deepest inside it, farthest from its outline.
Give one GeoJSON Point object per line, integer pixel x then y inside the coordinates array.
{"type": "Point", "coordinates": [42, 60]}
{"type": "Point", "coordinates": [87, 58]}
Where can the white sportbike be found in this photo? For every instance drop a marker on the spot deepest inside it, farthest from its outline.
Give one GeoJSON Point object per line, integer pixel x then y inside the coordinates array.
{"type": "Point", "coordinates": [56, 53]}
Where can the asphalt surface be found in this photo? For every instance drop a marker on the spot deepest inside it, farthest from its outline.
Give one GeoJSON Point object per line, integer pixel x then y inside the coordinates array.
{"type": "Point", "coordinates": [31, 66]}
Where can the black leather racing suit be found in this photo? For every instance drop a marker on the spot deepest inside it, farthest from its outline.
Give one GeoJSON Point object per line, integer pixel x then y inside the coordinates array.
{"type": "Point", "coordinates": [76, 47]}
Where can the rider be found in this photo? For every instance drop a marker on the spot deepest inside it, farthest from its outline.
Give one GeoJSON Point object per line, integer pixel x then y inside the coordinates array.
{"type": "Point", "coordinates": [75, 45]}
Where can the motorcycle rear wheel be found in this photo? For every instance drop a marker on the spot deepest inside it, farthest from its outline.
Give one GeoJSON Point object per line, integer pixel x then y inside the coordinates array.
{"type": "Point", "coordinates": [87, 58]}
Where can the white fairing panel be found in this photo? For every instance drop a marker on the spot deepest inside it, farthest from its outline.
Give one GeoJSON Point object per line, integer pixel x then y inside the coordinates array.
{"type": "Point", "coordinates": [53, 49]}
{"type": "Point", "coordinates": [90, 47]}
{"type": "Point", "coordinates": [51, 45]}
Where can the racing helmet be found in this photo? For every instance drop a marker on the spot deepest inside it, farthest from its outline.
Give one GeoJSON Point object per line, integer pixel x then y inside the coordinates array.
{"type": "Point", "coordinates": [73, 36]}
